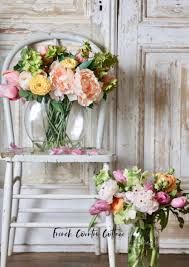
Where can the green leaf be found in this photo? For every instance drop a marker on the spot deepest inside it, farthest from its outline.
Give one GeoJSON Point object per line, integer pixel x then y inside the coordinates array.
{"type": "Point", "coordinates": [85, 64]}
{"type": "Point", "coordinates": [92, 222]}
{"type": "Point", "coordinates": [39, 98]}
{"type": "Point", "coordinates": [57, 105]}
{"type": "Point", "coordinates": [105, 96]}
{"type": "Point", "coordinates": [91, 106]}
{"type": "Point", "coordinates": [26, 94]}
{"type": "Point", "coordinates": [60, 58]}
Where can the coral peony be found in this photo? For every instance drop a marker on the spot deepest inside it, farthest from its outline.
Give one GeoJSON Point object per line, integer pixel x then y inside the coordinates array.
{"type": "Point", "coordinates": [117, 204]}
{"type": "Point", "coordinates": [166, 181]}
{"type": "Point", "coordinates": [62, 79]}
{"type": "Point", "coordinates": [179, 202]}
{"type": "Point", "coordinates": [87, 87]}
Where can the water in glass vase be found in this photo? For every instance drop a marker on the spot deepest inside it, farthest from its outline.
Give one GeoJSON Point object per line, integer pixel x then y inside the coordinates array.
{"type": "Point", "coordinates": [54, 124]}
{"type": "Point", "coordinates": [143, 247]}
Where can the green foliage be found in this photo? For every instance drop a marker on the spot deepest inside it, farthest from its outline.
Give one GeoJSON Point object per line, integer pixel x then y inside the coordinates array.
{"type": "Point", "coordinates": [101, 177]}
{"type": "Point", "coordinates": [163, 217]}
{"type": "Point", "coordinates": [55, 51]}
{"type": "Point", "coordinates": [102, 62]}
{"type": "Point", "coordinates": [29, 96]}
{"type": "Point", "coordinates": [30, 61]}
{"type": "Point", "coordinates": [134, 177]}
{"type": "Point", "coordinates": [86, 49]}
{"type": "Point", "coordinates": [179, 218]}
{"type": "Point", "coordinates": [110, 86]}
{"type": "Point", "coordinates": [119, 217]}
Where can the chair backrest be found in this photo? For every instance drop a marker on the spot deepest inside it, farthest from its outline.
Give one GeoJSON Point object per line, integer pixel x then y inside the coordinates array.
{"type": "Point", "coordinates": [58, 36]}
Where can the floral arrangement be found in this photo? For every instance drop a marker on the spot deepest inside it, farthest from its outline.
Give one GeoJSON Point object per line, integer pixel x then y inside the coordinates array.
{"type": "Point", "coordinates": [57, 77]}
{"type": "Point", "coordinates": [142, 199]}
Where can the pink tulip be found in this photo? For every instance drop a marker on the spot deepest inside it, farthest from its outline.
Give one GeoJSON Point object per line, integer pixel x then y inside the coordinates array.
{"type": "Point", "coordinates": [77, 151]}
{"type": "Point", "coordinates": [163, 198]}
{"type": "Point", "coordinates": [179, 202]}
{"type": "Point", "coordinates": [99, 206]}
{"type": "Point", "coordinates": [11, 76]}
{"type": "Point", "coordinates": [120, 178]}
{"type": "Point", "coordinates": [9, 91]}
{"type": "Point", "coordinates": [91, 152]}
{"type": "Point", "coordinates": [57, 151]}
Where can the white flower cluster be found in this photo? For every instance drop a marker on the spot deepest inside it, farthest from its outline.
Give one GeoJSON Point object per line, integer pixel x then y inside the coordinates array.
{"type": "Point", "coordinates": [142, 199]}
{"type": "Point", "coordinates": [108, 190]}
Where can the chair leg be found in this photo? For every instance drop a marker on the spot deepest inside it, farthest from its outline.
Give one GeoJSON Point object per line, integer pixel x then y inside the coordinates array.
{"type": "Point", "coordinates": [15, 204]}
{"type": "Point", "coordinates": [110, 240]}
{"type": "Point", "coordinates": [6, 216]}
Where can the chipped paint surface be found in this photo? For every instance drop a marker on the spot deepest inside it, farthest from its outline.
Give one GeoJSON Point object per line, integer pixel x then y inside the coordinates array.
{"type": "Point", "coordinates": [152, 114]}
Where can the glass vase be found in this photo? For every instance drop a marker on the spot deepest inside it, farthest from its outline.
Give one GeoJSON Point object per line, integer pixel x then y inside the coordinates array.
{"type": "Point", "coordinates": [143, 246]}
{"type": "Point", "coordinates": [54, 124]}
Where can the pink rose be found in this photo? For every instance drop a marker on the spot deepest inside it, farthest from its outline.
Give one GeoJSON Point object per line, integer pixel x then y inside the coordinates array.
{"type": "Point", "coordinates": [163, 198]}
{"type": "Point", "coordinates": [11, 76]}
{"type": "Point", "coordinates": [87, 87]}
{"type": "Point", "coordinates": [79, 57]}
{"type": "Point", "coordinates": [120, 178]}
{"type": "Point", "coordinates": [42, 49]}
{"type": "Point", "coordinates": [179, 202]}
{"type": "Point", "coordinates": [99, 206]}
{"type": "Point", "coordinates": [62, 79]}
{"type": "Point", "coordinates": [9, 91]}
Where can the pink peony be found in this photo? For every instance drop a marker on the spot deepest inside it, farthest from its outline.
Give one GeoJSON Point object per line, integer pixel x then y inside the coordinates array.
{"type": "Point", "coordinates": [87, 87]}
{"type": "Point", "coordinates": [100, 206]}
{"type": "Point", "coordinates": [9, 91]}
{"type": "Point", "coordinates": [11, 76]}
{"type": "Point", "coordinates": [163, 198]}
{"type": "Point", "coordinates": [62, 79]}
{"type": "Point", "coordinates": [120, 178]}
{"type": "Point", "coordinates": [179, 202]}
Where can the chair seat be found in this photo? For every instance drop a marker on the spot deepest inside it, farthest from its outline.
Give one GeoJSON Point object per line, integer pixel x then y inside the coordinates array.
{"type": "Point", "coordinates": [28, 155]}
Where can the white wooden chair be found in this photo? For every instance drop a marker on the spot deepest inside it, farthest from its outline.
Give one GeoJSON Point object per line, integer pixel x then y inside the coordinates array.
{"type": "Point", "coordinates": [12, 182]}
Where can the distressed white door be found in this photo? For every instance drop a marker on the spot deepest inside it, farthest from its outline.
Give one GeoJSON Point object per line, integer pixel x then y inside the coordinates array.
{"type": "Point", "coordinates": [19, 19]}
{"type": "Point", "coordinates": [153, 96]}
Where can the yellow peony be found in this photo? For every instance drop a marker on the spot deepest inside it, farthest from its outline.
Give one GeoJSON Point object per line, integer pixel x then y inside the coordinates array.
{"type": "Point", "coordinates": [40, 85]}
{"type": "Point", "coordinates": [69, 63]}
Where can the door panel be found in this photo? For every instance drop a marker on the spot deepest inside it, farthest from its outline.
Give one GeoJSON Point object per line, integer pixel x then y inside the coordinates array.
{"type": "Point", "coordinates": [153, 94]}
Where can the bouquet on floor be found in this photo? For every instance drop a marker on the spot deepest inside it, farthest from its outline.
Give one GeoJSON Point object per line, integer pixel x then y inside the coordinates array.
{"type": "Point", "coordinates": [58, 78]}
{"type": "Point", "coordinates": [142, 199]}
